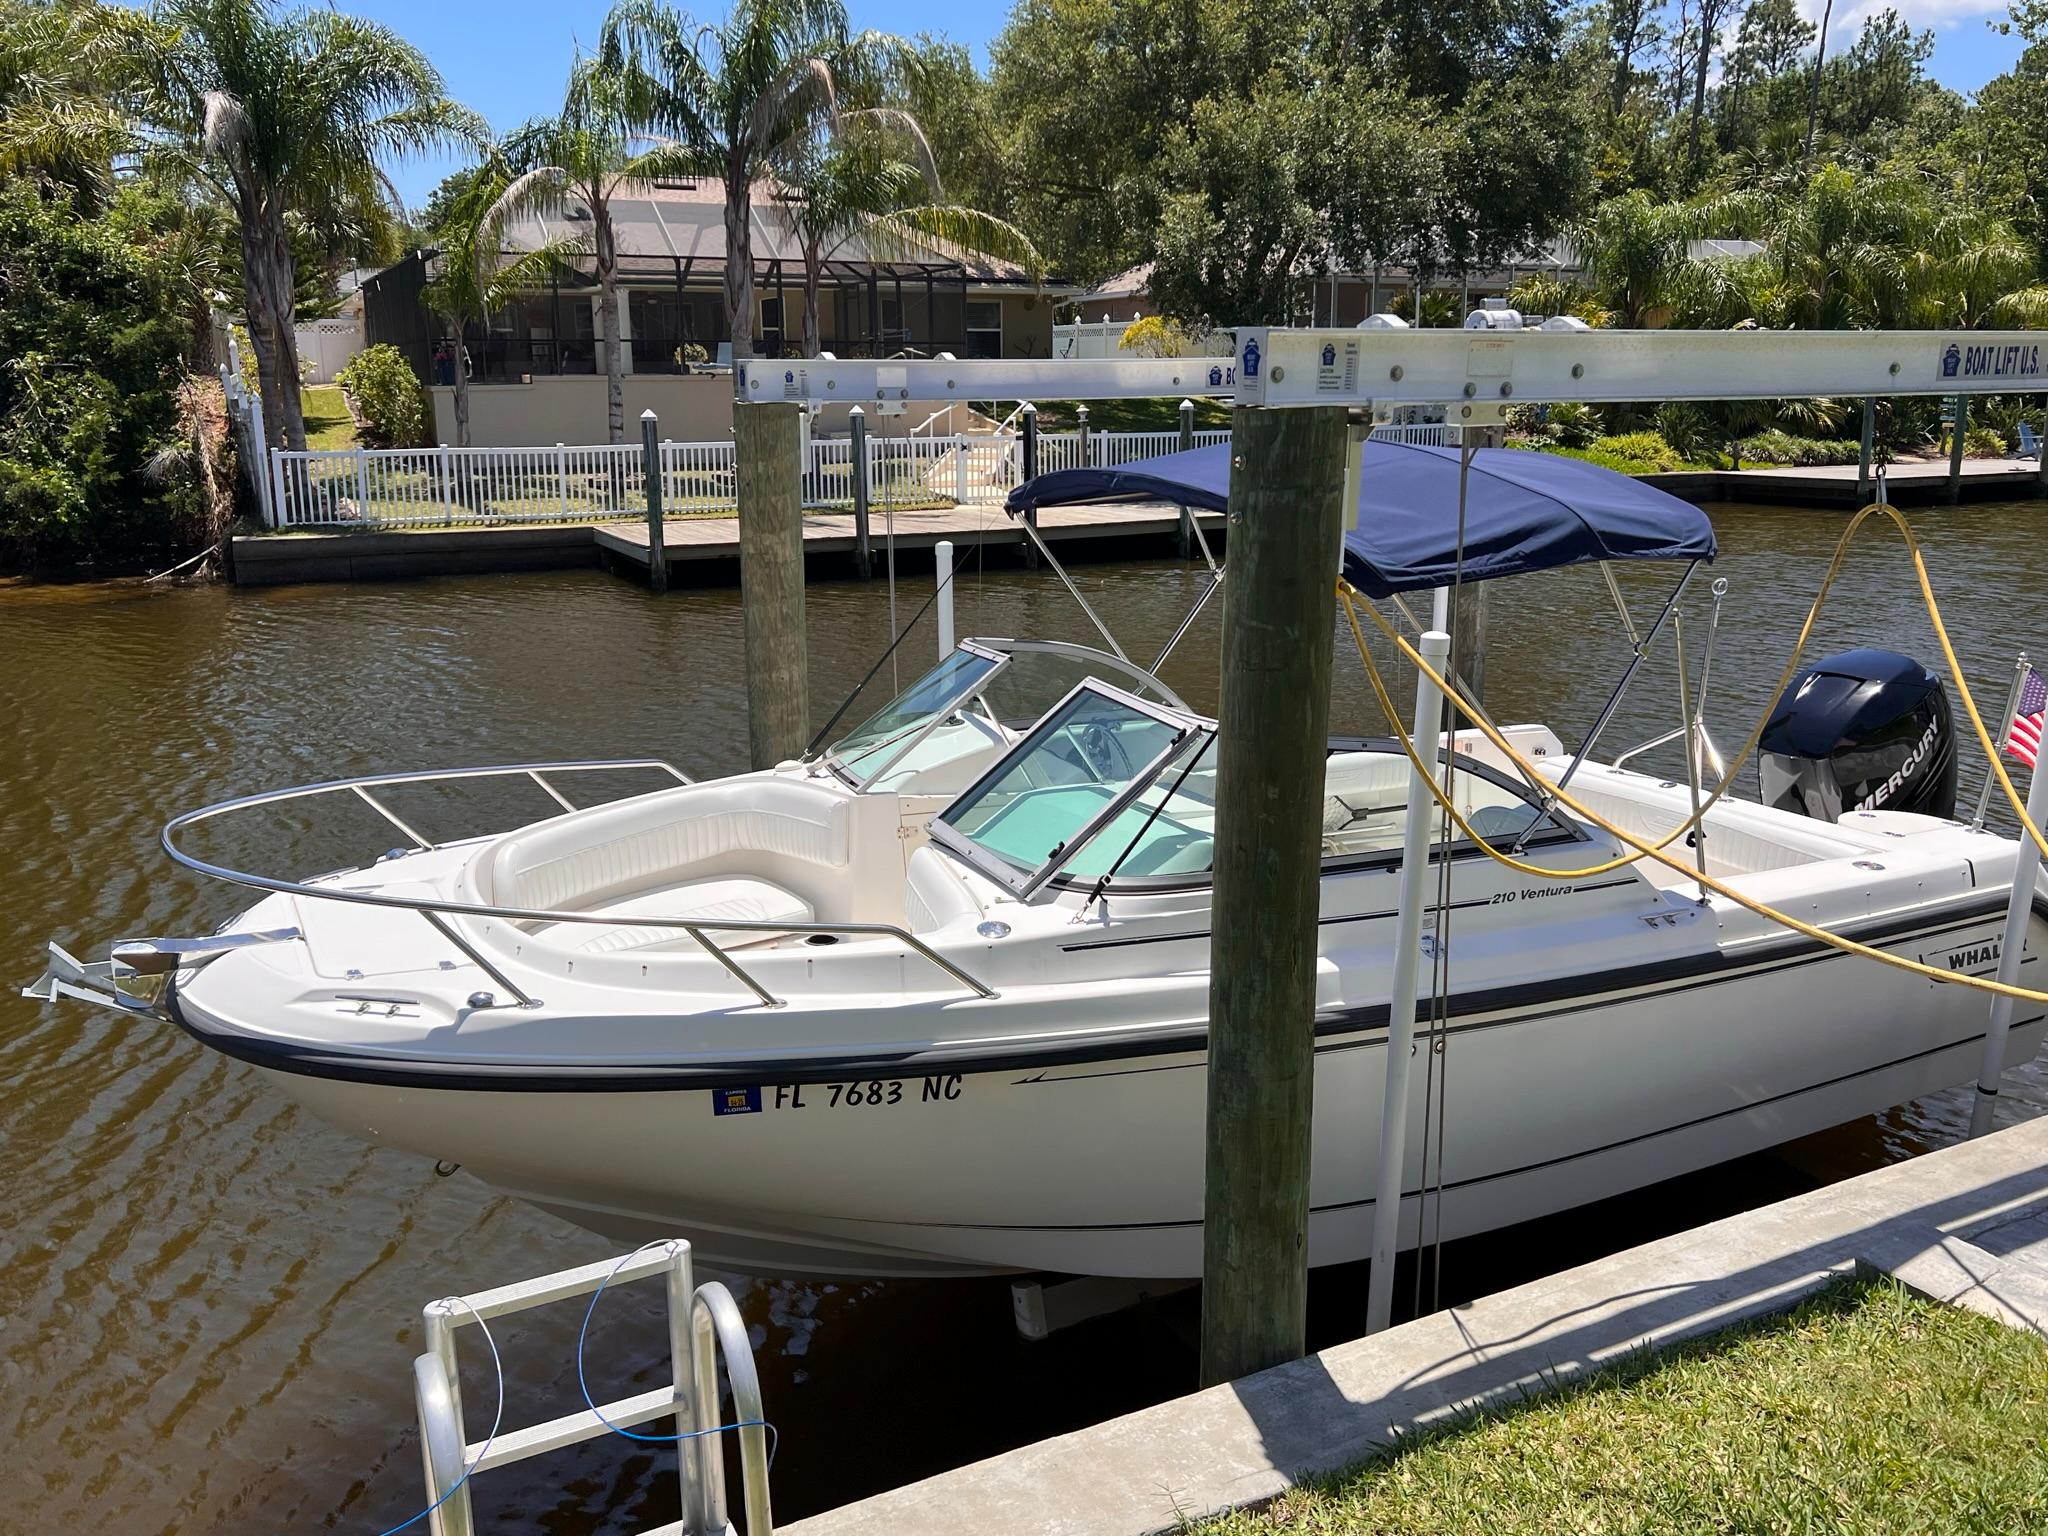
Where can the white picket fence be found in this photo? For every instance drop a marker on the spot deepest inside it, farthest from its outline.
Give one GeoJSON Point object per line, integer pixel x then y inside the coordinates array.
{"type": "Point", "coordinates": [449, 487]}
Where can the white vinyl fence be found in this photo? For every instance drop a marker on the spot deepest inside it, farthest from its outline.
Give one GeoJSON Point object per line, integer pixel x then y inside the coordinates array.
{"type": "Point", "coordinates": [444, 487]}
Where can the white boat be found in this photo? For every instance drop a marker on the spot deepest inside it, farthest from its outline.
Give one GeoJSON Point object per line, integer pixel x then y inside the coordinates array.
{"type": "Point", "coordinates": [935, 1002]}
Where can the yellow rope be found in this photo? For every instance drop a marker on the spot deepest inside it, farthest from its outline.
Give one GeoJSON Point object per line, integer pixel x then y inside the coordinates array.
{"type": "Point", "coordinates": [1750, 742]}
{"type": "Point", "coordinates": [1348, 596]}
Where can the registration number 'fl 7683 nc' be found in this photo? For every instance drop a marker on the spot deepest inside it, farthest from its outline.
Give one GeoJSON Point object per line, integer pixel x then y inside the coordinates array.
{"type": "Point", "coordinates": [872, 1093]}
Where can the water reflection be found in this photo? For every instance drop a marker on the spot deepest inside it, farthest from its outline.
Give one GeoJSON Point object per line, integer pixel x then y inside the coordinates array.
{"type": "Point", "coordinates": [208, 1297]}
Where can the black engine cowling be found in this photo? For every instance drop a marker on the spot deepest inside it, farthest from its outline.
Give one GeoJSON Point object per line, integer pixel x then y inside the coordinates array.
{"type": "Point", "coordinates": [1866, 730]}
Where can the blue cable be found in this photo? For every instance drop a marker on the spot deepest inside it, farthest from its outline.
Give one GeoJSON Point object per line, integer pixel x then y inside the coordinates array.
{"type": "Point", "coordinates": [774, 1435]}
{"type": "Point", "coordinates": [497, 1418]}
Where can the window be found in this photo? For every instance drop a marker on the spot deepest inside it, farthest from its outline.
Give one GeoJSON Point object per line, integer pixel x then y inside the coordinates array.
{"type": "Point", "coordinates": [984, 328]}
{"type": "Point", "coordinates": [869, 747]}
{"type": "Point", "coordinates": [1080, 767]}
{"type": "Point", "coordinates": [771, 323]}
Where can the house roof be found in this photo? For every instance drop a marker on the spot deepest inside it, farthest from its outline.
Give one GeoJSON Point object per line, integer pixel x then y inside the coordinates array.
{"type": "Point", "coordinates": [1131, 283]}
{"type": "Point", "coordinates": [662, 223]}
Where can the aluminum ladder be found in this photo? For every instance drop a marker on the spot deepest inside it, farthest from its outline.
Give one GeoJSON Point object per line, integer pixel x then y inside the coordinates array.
{"type": "Point", "coordinates": [703, 1323]}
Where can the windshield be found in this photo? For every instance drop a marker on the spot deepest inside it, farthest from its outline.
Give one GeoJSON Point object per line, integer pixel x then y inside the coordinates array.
{"type": "Point", "coordinates": [868, 747]}
{"type": "Point", "coordinates": [1083, 763]}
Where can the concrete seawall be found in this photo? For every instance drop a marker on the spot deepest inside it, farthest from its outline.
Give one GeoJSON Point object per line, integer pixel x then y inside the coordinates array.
{"type": "Point", "coordinates": [360, 555]}
{"type": "Point", "coordinates": [1967, 1225]}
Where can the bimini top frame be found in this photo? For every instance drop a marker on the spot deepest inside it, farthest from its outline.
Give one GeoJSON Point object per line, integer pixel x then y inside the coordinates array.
{"type": "Point", "coordinates": [1475, 372]}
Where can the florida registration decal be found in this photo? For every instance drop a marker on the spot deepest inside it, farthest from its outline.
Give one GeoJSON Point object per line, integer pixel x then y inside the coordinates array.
{"type": "Point", "coordinates": [736, 1101]}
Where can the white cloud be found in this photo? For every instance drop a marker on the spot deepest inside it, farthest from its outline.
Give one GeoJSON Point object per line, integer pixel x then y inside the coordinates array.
{"type": "Point", "coordinates": [1941, 15]}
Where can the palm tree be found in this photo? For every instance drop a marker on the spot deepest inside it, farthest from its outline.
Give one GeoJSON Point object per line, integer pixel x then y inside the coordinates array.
{"type": "Point", "coordinates": [584, 156]}
{"type": "Point", "coordinates": [734, 98]}
{"type": "Point", "coordinates": [849, 184]}
{"type": "Point", "coordinates": [1636, 251]}
{"type": "Point", "coordinates": [61, 119]}
{"type": "Point", "coordinates": [290, 114]}
{"type": "Point", "coordinates": [472, 277]}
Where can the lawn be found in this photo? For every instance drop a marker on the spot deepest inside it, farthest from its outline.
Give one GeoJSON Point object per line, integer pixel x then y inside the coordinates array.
{"type": "Point", "coordinates": [1867, 1412]}
{"type": "Point", "coordinates": [328, 424]}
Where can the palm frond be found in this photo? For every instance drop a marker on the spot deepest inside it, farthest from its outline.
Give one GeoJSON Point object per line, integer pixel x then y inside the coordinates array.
{"type": "Point", "coordinates": [543, 190]}
{"type": "Point", "coordinates": [227, 126]}
{"type": "Point", "coordinates": [949, 230]}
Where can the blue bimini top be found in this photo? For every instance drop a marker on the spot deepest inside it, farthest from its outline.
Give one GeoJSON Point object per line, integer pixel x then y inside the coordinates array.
{"type": "Point", "coordinates": [1524, 511]}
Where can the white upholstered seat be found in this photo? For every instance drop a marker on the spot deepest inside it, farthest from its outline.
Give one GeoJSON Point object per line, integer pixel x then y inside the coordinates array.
{"type": "Point", "coordinates": [732, 899]}
{"type": "Point", "coordinates": [617, 851]}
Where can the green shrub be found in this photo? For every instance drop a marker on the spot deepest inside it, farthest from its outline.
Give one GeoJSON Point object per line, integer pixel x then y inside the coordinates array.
{"type": "Point", "coordinates": [390, 405]}
{"type": "Point", "coordinates": [1687, 427]}
{"type": "Point", "coordinates": [1636, 453]}
{"type": "Point", "coordinates": [1775, 447]}
{"type": "Point", "coordinates": [1576, 424]}
{"type": "Point", "coordinates": [1983, 443]}
{"type": "Point", "coordinates": [91, 331]}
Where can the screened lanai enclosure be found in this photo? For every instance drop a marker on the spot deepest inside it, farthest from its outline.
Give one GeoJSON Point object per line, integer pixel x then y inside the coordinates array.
{"type": "Point", "coordinates": [671, 275]}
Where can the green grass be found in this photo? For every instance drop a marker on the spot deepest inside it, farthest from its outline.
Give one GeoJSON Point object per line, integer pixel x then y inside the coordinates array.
{"type": "Point", "coordinates": [1132, 415]}
{"type": "Point", "coordinates": [328, 424]}
{"type": "Point", "coordinates": [1867, 1412]}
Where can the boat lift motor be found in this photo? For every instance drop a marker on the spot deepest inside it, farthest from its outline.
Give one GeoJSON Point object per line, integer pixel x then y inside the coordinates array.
{"type": "Point", "coordinates": [1867, 730]}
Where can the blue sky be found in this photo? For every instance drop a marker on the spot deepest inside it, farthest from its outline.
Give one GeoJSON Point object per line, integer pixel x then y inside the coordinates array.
{"type": "Point", "coordinates": [506, 57]}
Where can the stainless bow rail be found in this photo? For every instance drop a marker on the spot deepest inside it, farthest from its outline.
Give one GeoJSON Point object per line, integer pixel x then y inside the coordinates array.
{"type": "Point", "coordinates": [703, 1323]}
{"type": "Point", "coordinates": [435, 911]}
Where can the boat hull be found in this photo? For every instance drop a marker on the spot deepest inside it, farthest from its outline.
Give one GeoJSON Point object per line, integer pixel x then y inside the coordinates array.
{"type": "Point", "coordinates": [1094, 1166]}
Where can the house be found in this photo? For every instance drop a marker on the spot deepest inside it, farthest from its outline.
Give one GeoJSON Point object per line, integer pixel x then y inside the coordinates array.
{"type": "Point", "coordinates": [536, 371]}
{"type": "Point", "coordinates": [1094, 319]}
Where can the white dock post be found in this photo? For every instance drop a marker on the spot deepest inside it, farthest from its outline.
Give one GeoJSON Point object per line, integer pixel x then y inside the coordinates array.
{"type": "Point", "coordinates": [944, 554]}
{"type": "Point", "coordinates": [2020, 668]}
{"type": "Point", "coordinates": [682, 1297]}
{"type": "Point", "coordinates": [439, 1391]}
{"type": "Point", "coordinates": [2012, 948]}
{"type": "Point", "coordinates": [1386, 1209]}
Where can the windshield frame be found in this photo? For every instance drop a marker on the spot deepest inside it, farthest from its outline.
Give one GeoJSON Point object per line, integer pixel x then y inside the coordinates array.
{"type": "Point", "coordinates": [1026, 883]}
{"type": "Point", "coordinates": [909, 736]}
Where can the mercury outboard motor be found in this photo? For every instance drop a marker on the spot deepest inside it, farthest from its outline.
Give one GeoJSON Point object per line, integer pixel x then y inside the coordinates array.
{"type": "Point", "coordinates": [1863, 731]}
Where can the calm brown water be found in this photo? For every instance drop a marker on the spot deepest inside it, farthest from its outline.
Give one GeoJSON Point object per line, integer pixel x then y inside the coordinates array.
{"type": "Point", "coordinates": [208, 1300]}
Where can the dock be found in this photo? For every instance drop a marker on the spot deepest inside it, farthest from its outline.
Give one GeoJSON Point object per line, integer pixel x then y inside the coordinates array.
{"type": "Point", "coordinates": [1967, 1225]}
{"type": "Point", "coordinates": [709, 543]}
{"type": "Point", "coordinates": [832, 533]}
{"type": "Point", "coordinates": [1911, 482]}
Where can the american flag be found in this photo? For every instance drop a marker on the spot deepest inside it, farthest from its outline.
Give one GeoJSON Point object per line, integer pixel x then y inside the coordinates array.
{"type": "Point", "coordinates": [2023, 739]}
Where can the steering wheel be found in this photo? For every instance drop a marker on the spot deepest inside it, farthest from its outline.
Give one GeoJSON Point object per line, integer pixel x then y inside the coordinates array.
{"type": "Point", "coordinates": [1104, 754]}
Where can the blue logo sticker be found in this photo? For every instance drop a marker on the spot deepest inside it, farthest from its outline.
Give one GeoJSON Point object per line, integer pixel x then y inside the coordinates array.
{"type": "Point", "coordinates": [736, 1101]}
{"type": "Point", "coordinates": [1215, 378]}
{"type": "Point", "coordinates": [1251, 359]}
{"type": "Point", "coordinates": [1951, 361]}
{"type": "Point", "coordinates": [1329, 355]}
{"type": "Point", "coordinates": [789, 376]}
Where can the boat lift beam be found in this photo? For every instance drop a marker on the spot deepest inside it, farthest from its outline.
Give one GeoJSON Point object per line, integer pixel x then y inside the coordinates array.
{"type": "Point", "coordinates": [1492, 367]}
{"type": "Point", "coordinates": [1482, 368]}
{"type": "Point", "coordinates": [887, 386]}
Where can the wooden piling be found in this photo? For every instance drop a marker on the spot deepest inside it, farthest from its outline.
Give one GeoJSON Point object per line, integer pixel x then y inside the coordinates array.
{"type": "Point", "coordinates": [1030, 514]}
{"type": "Point", "coordinates": [1866, 450]}
{"type": "Point", "coordinates": [1287, 471]}
{"type": "Point", "coordinates": [650, 463]}
{"type": "Point", "coordinates": [863, 544]}
{"type": "Point", "coordinates": [765, 441]}
{"type": "Point", "coordinates": [1186, 536]}
{"type": "Point", "coordinates": [1952, 492]}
